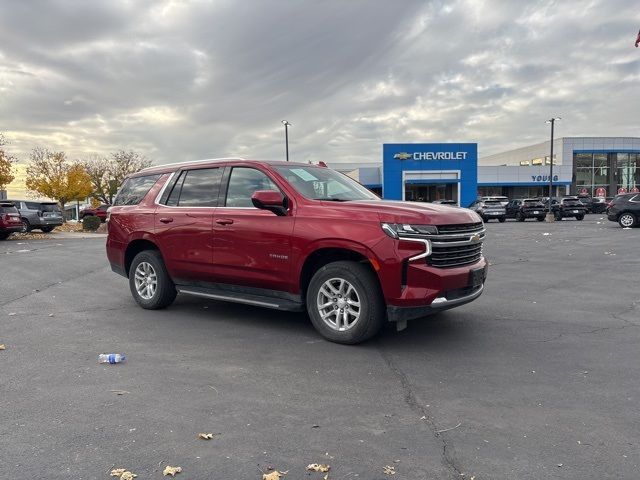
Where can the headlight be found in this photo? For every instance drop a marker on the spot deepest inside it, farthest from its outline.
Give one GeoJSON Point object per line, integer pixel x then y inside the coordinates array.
{"type": "Point", "coordinates": [397, 230]}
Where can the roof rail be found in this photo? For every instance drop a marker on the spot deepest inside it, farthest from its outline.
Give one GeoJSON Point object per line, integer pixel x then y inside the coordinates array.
{"type": "Point", "coordinates": [193, 161]}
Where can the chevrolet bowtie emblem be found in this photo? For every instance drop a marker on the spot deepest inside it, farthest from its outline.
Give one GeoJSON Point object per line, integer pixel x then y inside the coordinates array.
{"type": "Point", "coordinates": [403, 156]}
{"type": "Point", "coordinates": [475, 238]}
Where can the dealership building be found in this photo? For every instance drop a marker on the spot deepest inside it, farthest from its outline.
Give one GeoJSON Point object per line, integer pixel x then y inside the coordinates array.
{"type": "Point", "coordinates": [452, 171]}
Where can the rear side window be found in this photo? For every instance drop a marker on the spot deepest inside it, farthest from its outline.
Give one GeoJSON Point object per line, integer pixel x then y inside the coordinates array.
{"type": "Point", "coordinates": [134, 189]}
{"type": "Point", "coordinates": [196, 188]}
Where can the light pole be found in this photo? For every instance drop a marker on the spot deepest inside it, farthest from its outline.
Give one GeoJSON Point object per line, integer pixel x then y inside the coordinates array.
{"type": "Point", "coordinates": [552, 121]}
{"type": "Point", "coordinates": [286, 136]}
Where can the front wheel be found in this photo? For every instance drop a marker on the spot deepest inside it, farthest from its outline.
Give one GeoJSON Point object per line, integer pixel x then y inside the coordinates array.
{"type": "Point", "coordinates": [502, 219]}
{"type": "Point", "coordinates": [149, 281]}
{"type": "Point", "coordinates": [26, 226]}
{"type": "Point", "coordinates": [345, 303]}
{"type": "Point", "coordinates": [579, 217]}
{"type": "Point", "coordinates": [519, 217]}
{"type": "Point", "coordinates": [627, 220]}
{"type": "Point", "coordinates": [557, 216]}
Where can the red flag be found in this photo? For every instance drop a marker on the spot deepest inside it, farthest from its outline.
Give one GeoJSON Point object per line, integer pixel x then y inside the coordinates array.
{"type": "Point", "coordinates": [638, 40]}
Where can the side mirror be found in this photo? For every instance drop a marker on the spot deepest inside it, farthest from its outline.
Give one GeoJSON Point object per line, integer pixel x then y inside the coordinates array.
{"type": "Point", "coordinates": [271, 200]}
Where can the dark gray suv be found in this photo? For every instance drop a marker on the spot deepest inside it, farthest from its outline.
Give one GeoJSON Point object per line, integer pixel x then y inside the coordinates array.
{"type": "Point", "coordinates": [44, 216]}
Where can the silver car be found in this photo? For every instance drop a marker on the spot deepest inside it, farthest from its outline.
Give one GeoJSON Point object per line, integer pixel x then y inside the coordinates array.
{"type": "Point", "coordinates": [44, 216]}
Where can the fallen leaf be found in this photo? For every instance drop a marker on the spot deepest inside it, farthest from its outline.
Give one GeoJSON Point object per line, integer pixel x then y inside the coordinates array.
{"type": "Point", "coordinates": [123, 474]}
{"type": "Point", "coordinates": [205, 436]}
{"type": "Point", "coordinates": [389, 470]}
{"type": "Point", "coordinates": [169, 470]}
{"type": "Point", "coordinates": [318, 467]}
{"type": "Point", "coordinates": [275, 475]}
{"type": "Point", "coordinates": [2, 347]}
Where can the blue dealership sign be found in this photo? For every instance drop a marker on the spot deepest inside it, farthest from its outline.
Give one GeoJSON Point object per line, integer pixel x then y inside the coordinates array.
{"type": "Point", "coordinates": [441, 162]}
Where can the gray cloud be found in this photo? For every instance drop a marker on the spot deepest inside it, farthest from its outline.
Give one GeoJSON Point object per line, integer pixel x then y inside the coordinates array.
{"type": "Point", "coordinates": [182, 80]}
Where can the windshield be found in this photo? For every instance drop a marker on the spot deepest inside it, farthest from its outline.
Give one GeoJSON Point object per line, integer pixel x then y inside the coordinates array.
{"type": "Point", "coordinates": [321, 183]}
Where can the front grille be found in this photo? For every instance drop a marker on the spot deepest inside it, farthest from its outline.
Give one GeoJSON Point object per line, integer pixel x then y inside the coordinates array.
{"type": "Point", "coordinates": [461, 228]}
{"type": "Point", "coordinates": [444, 256]}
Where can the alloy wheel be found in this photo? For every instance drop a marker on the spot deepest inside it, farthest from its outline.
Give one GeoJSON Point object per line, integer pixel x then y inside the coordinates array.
{"type": "Point", "coordinates": [146, 280]}
{"type": "Point", "coordinates": [338, 304]}
{"type": "Point", "coordinates": [626, 220]}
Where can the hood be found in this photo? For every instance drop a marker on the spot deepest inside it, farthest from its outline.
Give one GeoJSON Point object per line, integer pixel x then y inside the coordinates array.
{"type": "Point", "coordinates": [416, 213]}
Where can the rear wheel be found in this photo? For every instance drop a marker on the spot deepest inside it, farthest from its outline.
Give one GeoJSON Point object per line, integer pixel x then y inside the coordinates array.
{"type": "Point", "coordinates": [345, 302]}
{"type": "Point", "coordinates": [26, 226]}
{"type": "Point", "coordinates": [4, 235]}
{"type": "Point", "coordinates": [540, 219]}
{"type": "Point", "coordinates": [627, 220]}
{"type": "Point", "coordinates": [557, 216]}
{"type": "Point", "coordinates": [579, 217]}
{"type": "Point", "coordinates": [502, 219]}
{"type": "Point", "coordinates": [46, 229]}
{"type": "Point", "coordinates": [149, 281]}
{"type": "Point", "coordinates": [519, 217]}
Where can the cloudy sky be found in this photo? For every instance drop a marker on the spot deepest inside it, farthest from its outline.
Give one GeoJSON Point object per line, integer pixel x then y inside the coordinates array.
{"type": "Point", "coordinates": [179, 80]}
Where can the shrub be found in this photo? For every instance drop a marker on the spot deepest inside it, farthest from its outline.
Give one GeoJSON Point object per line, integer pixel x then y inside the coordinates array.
{"type": "Point", "coordinates": [91, 223]}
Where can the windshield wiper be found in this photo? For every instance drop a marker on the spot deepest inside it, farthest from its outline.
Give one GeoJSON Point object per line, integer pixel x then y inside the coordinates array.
{"type": "Point", "coordinates": [332, 199]}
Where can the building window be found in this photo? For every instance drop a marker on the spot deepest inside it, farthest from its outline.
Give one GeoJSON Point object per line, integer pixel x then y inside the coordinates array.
{"type": "Point", "coordinates": [628, 170]}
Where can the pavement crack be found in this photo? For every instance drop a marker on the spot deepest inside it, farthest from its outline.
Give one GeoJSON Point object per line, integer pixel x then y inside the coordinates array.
{"type": "Point", "coordinates": [412, 402]}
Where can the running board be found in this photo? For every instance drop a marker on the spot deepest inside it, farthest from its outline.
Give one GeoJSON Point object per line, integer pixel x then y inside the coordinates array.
{"type": "Point", "coordinates": [241, 297]}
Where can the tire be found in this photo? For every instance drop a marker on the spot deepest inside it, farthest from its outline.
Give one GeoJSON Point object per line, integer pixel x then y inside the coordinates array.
{"type": "Point", "coordinates": [520, 217]}
{"type": "Point", "coordinates": [627, 220]}
{"type": "Point", "coordinates": [361, 285]}
{"type": "Point", "coordinates": [579, 217]}
{"type": "Point", "coordinates": [557, 216]}
{"type": "Point", "coordinates": [165, 292]}
{"type": "Point", "coordinates": [46, 229]}
{"type": "Point", "coordinates": [540, 219]}
{"type": "Point", "coordinates": [4, 236]}
{"type": "Point", "coordinates": [502, 219]}
{"type": "Point", "coordinates": [26, 226]}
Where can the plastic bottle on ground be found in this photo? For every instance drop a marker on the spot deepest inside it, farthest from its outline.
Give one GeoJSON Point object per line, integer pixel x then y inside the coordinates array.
{"type": "Point", "coordinates": [111, 358]}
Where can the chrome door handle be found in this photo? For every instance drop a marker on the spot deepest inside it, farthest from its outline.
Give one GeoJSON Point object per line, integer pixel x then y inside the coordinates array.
{"type": "Point", "coordinates": [166, 220]}
{"type": "Point", "coordinates": [224, 221]}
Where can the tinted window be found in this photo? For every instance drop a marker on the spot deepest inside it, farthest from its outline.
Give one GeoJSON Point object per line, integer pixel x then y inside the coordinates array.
{"type": "Point", "coordinates": [243, 182]}
{"type": "Point", "coordinates": [32, 205]}
{"type": "Point", "coordinates": [199, 188]}
{"type": "Point", "coordinates": [133, 190]}
{"type": "Point", "coordinates": [48, 207]}
{"type": "Point", "coordinates": [174, 195]}
{"type": "Point", "coordinates": [7, 209]}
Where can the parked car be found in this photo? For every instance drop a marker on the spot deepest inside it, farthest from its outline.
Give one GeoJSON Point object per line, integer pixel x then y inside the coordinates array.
{"type": "Point", "coordinates": [44, 216]}
{"type": "Point", "coordinates": [521, 209]}
{"type": "Point", "coordinates": [503, 200]}
{"type": "Point", "coordinates": [446, 202]}
{"type": "Point", "coordinates": [625, 209]}
{"type": "Point", "coordinates": [9, 220]}
{"type": "Point", "coordinates": [598, 205]}
{"type": "Point", "coordinates": [292, 236]}
{"type": "Point", "coordinates": [100, 212]}
{"type": "Point", "coordinates": [566, 207]}
{"type": "Point", "coordinates": [489, 209]}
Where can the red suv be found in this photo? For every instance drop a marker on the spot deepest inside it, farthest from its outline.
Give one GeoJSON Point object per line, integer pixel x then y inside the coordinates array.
{"type": "Point", "coordinates": [292, 236]}
{"type": "Point", "coordinates": [9, 220]}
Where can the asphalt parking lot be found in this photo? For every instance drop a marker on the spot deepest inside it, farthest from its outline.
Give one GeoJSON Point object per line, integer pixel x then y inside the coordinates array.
{"type": "Point", "coordinates": [539, 378]}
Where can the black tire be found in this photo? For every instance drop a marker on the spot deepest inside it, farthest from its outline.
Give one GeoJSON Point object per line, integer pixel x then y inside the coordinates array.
{"type": "Point", "coordinates": [627, 220]}
{"type": "Point", "coordinates": [520, 217]}
{"type": "Point", "coordinates": [46, 229]}
{"type": "Point", "coordinates": [502, 219]}
{"type": "Point", "coordinates": [165, 292]}
{"type": "Point", "coordinates": [26, 226]}
{"type": "Point", "coordinates": [540, 219]}
{"type": "Point", "coordinates": [557, 216]}
{"type": "Point", "coordinates": [4, 235]}
{"type": "Point", "coordinates": [579, 217]}
{"type": "Point", "coordinates": [372, 313]}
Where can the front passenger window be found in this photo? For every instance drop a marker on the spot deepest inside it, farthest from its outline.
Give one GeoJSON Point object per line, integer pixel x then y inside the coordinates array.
{"type": "Point", "coordinates": [243, 183]}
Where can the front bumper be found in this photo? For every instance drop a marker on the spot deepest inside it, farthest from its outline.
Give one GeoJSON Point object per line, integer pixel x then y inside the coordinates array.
{"type": "Point", "coordinates": [402, 314]}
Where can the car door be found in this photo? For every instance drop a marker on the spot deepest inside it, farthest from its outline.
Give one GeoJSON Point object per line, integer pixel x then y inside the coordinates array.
{"type": "Point", "coordinates": [183, 223]}
{"type": "Point", "coordinates": [252, 247]}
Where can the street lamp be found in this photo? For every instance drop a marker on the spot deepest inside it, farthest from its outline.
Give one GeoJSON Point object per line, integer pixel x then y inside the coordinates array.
{"type": "Point", "coordinates": [286, 136]}
{"type": "Point", "coordinates": [552, 121]}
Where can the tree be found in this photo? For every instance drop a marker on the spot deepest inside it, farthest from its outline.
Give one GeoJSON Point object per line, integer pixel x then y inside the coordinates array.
{"type": "Point", "coordinates": [6, 165]}
{"type": "Point", "coordinates": [108, 173]}
{"type": "Point", "coordinates": [51, 175]}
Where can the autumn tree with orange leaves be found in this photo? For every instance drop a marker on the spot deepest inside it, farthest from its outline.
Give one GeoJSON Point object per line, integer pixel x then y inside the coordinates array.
{"type": "Point", "coordinates": [50, 174]}
{"type": "Point", "coordinates": [6, 165]}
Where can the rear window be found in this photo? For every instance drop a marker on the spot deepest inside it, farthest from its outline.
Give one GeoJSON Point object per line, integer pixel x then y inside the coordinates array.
{"type": "Point", "coordinates": [133, 190]}
{"type": "Point", "coordinates": [571, 201]}
{"type": "Point", "coordinates": [531, 202]}
{"type": "Point", "coordinates": [49, 207]}
{"type": "Point", "coordinates": [8, 209]}
{"type": "Point", "coordinates": [492, 203]}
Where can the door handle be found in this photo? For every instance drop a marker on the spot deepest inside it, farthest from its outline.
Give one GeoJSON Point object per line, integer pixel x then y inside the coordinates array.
{"type": "Point", "coordinates": [224, 221]}
{"type": "Point", "coordinates": [166, 220]}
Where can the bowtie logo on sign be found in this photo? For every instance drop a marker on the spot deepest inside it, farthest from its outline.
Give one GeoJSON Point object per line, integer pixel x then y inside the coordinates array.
{"type": "Point", "coordinates": [431, 156]}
